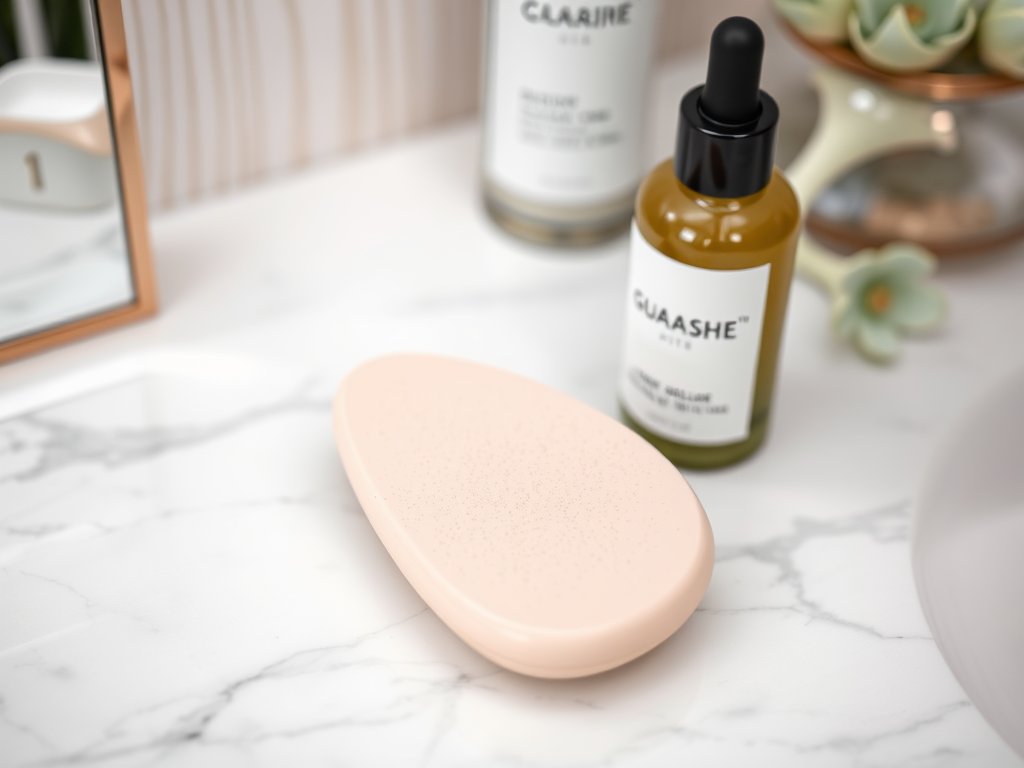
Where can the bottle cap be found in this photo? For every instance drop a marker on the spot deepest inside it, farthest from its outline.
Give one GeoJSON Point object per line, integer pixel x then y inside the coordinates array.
{"type": "Point", "coordinates": [725, 146]}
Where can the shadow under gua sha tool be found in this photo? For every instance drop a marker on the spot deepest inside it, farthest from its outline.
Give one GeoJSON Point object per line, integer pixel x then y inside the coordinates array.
{"type": "Point", "coordinates": [548, 536]}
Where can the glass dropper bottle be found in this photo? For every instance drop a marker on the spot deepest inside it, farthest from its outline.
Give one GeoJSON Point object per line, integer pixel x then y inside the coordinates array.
{"type": "Point", "coordinates": [711, 261]}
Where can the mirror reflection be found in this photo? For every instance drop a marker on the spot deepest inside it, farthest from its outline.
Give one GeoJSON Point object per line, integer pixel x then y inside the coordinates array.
{"type": "Point", "coordinates": [63, 252]}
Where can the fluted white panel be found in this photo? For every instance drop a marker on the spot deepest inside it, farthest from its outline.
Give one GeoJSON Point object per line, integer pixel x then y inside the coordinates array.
{"type": "Point", "coordinates": [232, 91]}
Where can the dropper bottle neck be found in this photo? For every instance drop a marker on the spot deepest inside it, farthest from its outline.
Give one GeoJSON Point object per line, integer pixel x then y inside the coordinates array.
{"type": "Point", "coordinates": [725, 147]}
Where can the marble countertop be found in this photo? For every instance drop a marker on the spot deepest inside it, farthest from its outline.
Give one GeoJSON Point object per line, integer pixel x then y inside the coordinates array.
{"type": "Point", "coordinates": [187, 579]}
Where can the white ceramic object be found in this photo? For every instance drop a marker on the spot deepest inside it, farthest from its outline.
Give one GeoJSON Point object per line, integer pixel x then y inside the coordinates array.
{"type": "Point", "coordinates": [860, 121]}
{"type": "Point", "coordinates": [968, 550]}
{"type": "Point", "coordinates": [548, 536]}
{"type": "Point", "coordinates": [55, 147]}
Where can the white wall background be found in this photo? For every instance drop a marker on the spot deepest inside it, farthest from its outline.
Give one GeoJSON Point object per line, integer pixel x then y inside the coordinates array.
{"type": "Point", "coordinates": [232, 91]}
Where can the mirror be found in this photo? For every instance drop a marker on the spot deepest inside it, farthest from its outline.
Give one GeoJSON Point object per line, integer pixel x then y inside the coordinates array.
{"type": "Point", "coordinates": [74, 248]}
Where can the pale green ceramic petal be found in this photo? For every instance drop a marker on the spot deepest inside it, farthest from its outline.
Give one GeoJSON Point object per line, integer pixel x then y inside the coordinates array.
{"type": "Point", "coordinates": [902, 271]}
{"type": "Point", "coordinates": [871, 13]}
{"type": "Point", "coordinates": [895, 264]}
{"type": "Point", "coordinates": [941, 17]}
{"type": "Point", "coordinates": [895, 46]}
{"type": "Point", "coordinates": [1001, 37]}
{"type": "Point", "coordinates": [877, 340]}
{"type": "Point", "coordinates": [917, 308]}
{"type": "Point", "coordinates": [823, 21]}
{"type": "Point", "coordinates": [907, 261]}
{"type": "Point", "coordinates": [862, 276]}
{"type": "Point", "coordinates": [937, 17]}
{"type": "Point", "coordinates": [962, 35]}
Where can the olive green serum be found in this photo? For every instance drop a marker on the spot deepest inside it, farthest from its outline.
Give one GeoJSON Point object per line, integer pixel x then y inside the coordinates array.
{"type": "Point", "coordinates": [711, 259]}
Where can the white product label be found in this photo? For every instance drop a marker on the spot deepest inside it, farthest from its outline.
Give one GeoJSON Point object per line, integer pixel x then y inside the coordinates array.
{"type": "Point", "coordinates": [693, 337]}
{"type": "Point", "coordinates": [566, 88]}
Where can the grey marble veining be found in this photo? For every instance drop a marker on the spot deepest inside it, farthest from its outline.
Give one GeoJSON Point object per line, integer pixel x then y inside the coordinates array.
{"type": "Point", "coordinates": [186, 578]}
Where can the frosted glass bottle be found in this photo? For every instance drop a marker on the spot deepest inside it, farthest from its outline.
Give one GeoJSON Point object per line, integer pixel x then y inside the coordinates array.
{"type": "Point", "coordinates": [564, 103]}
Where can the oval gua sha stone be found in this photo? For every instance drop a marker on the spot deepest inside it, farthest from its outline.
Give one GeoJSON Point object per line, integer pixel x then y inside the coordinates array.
{"type": "Point", "coordinates": [548, 536]}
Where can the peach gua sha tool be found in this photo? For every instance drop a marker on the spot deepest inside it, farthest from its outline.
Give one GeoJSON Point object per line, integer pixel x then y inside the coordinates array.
{"type": "Point", "coordinates": [548, 536]}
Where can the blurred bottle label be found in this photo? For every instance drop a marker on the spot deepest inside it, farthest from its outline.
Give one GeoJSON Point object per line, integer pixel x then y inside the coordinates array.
{"type": "Point", "coordinates": [566, 88]}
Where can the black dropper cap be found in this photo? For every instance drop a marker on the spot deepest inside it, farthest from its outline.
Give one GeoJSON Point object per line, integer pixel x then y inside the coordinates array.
{"type": "Point", "coordinates": [726, 141]}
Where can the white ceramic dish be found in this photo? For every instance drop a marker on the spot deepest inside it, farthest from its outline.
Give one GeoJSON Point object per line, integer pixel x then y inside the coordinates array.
{"type": "Point", "coordinates": [968, 545]}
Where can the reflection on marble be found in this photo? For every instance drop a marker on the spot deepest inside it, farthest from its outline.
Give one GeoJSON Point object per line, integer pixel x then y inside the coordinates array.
{"type": "Point", "coordinates": [186, 578]}
{"type": "Point", "coordinates": [79, 280]}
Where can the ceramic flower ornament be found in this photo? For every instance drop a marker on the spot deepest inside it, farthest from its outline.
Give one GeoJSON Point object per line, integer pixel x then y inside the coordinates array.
{"type": "Point", "coordinates": [878, 295]}
{"type": "Point", "coordinates": [910, 36]}
{"type": "Point", "coordinates": [824, 21]}
{"type": "Point", "coordinates": [1001, 37]}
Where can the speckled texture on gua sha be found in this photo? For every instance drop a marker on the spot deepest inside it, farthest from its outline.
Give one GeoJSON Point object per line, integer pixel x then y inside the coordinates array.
{"type": "Point", "coordinates": [548, 536]}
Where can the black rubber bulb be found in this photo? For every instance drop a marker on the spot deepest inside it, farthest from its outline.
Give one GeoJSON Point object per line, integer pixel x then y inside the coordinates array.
{"type": "Point", "coordinates": [732, 93]}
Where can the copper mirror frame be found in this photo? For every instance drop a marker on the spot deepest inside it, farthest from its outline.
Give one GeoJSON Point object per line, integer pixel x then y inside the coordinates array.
{"type": "Point", "coordinates": [113, 54]}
